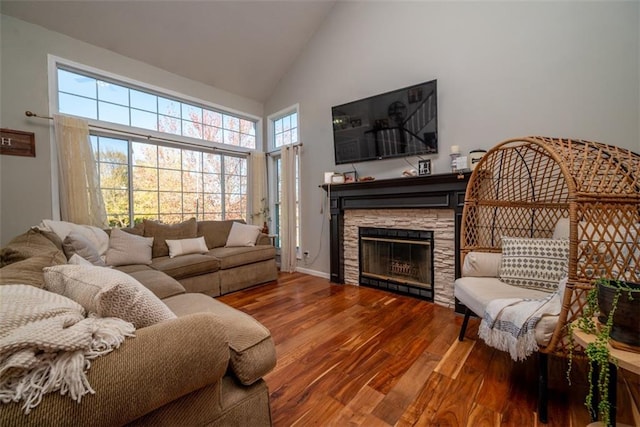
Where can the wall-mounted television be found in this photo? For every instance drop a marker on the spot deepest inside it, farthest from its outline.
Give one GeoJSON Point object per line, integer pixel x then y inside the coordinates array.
{"type": "Point", "coordinates": [399, 123]}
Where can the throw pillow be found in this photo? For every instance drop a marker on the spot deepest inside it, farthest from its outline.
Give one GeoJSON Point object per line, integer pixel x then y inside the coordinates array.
{"type": "Point", "coordinates": [78, 260]}
{"type": "Point", "coordinates": [108, 293]}
{"type": "Point", "coordinates": [76, 243]}
{"type": "Point", "coordinates": [242, 235]}
{"type": "Point", "coordinates": [127, 249]}
{"type": "Point", "coordinates": [187, 246]}
{"type": "Point", "coordinates": [161, 232]}
{"type": "Point", "coordinates": [96, 235]}
{"type": "Point", "coordinates": [534, 263]}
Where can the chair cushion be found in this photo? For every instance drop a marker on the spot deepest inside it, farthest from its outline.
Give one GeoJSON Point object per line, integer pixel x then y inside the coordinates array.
{"type": "Point", "coordinates": [253, 352]}
{"type": "Point", "coordinates": [482, 264]}
{"type": "Point", "coordinates": [534, 263]}
{"type": "Point", "coordinates": [477, 292]}
{"type": "Point", "coordinates": [234, 257]}
{"type": "Point", "coordinates": [161, 284]}
{"type": "Point", "coordinates": [186, 265]}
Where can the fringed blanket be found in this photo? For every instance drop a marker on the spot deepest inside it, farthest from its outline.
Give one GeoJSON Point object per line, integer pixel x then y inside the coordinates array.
{"type": "Point", "coordinates": [46, 344]}
{"type": "Point", "coordinates": [509, 324]}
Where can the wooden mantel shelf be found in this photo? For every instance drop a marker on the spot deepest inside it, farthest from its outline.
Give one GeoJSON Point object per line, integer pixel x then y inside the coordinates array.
{"type": "Point", "coordinates": [443, 191]}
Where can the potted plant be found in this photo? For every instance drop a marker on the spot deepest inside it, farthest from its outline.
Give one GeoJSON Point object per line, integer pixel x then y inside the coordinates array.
{"type": "Point", "coordinates": [612, 315]}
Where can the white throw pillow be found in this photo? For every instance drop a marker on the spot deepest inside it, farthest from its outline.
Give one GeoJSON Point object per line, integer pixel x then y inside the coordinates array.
{"type": "Point", "coordinates": [96, 235]}
{"type": "Point", "coordinates": [481, 264]}
{"type": "Point", "coordinates": [187, 246]}
{"type": "Point", "coordinates": [242, 235]}
{"type": "Point", "coordinates": [78, 260]}
{"type": "Point", "coordinates": [108, 293]}
{"type": "Point", "coordinates": [534, 263]}
{"type": "Point", "coordinates": [126, 249]}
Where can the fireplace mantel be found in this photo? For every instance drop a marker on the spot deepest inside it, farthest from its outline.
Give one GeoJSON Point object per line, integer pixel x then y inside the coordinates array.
{"type": "Point", "coordinates": [443, 191]}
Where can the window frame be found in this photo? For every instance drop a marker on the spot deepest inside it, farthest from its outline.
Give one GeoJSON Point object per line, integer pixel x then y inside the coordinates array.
{"type": "Point", "coordinates": [274, 155]}
{"type": "Point", "coordinates": [156, 137]}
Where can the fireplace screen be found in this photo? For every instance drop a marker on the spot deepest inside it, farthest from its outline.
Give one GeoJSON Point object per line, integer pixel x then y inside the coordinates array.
{"type": "Point", "coordinates": [397, 260]}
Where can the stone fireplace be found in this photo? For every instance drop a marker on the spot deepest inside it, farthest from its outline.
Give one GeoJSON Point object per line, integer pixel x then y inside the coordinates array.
{"type": "Point", "coordinates": [431, 203]}
{"type": "Point", "coordinates": [438, 222]}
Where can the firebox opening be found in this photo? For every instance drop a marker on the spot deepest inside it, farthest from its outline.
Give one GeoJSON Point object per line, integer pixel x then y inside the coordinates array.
{"type": "Point", "coordinates": [397, 260]}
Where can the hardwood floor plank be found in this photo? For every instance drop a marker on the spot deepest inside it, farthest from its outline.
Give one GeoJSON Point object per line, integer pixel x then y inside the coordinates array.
{"type": "Point", "coordinates": [355, 356]}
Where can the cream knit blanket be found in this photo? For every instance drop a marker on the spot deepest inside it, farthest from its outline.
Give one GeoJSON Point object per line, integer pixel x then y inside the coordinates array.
{"type": "Point", "coordinates": [46, 344]}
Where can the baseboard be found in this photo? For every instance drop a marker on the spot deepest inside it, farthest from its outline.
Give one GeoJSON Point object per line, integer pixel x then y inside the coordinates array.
{"type": "Point", "coordinates": [313, 272]}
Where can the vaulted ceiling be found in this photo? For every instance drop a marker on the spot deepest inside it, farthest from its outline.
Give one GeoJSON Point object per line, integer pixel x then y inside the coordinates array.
{"type": "Point", "coordinates": [243, 47]}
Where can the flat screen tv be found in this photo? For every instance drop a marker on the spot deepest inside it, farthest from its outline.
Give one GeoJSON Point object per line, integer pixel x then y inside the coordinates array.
{"type": "Point", "coordinates": [399, 123]}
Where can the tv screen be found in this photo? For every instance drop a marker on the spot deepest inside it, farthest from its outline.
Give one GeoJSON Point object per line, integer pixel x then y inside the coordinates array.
{"type": "Point", "coordinates": [399, 123]}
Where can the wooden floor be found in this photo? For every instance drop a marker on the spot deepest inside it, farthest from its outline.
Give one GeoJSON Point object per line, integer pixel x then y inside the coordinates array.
{"type": "Point", "coordinates": [354, 356]}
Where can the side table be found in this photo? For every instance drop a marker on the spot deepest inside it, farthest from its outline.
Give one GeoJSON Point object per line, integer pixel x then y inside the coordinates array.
{"type": "Point", "coordinates": [625, 360]}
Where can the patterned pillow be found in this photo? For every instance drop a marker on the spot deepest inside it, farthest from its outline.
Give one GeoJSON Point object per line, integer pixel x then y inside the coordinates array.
{"type": "Point", "coordinates": [534, 263]}
{"type": "Point", "coordinates": [108, 293]}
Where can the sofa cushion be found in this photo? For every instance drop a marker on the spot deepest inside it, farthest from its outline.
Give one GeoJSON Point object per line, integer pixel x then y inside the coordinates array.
{"type": "Point", "coordinates": [77, 244]}
{"type": "Point", "coordinates": [108, 293]}
{"type": "Point", "coordinates": [253, 352]}
{"type": "Point", "coordinates": [242, 235]}
{"type": "Point", "coordinates": [34, 242]}
{"type": "Point", "coordinates": [180, 247]}
{"type": "Point", "coordinates": [126, 248]}
{"type": "Point", "coordinates": [186, 265]}
{"type": "Point", "coordinates": [482, 264]}
{"type": "Point", "coordinates": [234, 257]}
{"type": "Point", "coordinates": [29, 271]}
{"type": "Point", "coordinates": [158, 282]}
{"type": "Point", "coordinates": [215, 232]}
{"type": "Point", "coordinates": [477, 292]}
{"type": "Point", "coordinates": [534, 263]}
{"type": "Point", "coordinates": [161, 232]}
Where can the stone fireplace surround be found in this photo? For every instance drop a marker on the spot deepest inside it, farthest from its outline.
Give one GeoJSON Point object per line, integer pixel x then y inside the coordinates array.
{"type": "Point", "coordinates": [440, 221]}
{"type": "Point", "coordinates": [433, 202]}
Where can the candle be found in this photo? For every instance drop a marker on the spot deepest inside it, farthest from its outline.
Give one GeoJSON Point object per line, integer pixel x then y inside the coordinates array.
{"type": "Point", "coordinates": [455, 149]}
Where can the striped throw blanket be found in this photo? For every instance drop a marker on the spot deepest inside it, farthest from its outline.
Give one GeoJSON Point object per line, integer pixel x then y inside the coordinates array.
{"type": "Point", "coordinates": [509, 324]}
{"type": "Point", "coordinates": [46, 344]}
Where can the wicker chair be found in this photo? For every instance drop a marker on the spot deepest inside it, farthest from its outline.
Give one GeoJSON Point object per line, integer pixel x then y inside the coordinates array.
{"type": "Point", "coordinates": [523, 186]}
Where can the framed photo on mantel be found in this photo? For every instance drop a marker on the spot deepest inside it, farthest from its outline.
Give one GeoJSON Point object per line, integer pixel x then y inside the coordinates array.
{"type": "Point", "coordinates": [424, 167]}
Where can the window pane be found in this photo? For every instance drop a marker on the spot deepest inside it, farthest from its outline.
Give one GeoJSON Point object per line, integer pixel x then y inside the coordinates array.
{"type": "Point", "coordinates": [232, 184]}
{"type": "Point", "coordinates": [145, 178]}
{"type": "Point", "coordinates": [279, 140]}
{"type": "Point", "coordinates": [212, 118]}
{"type": "Point", "coordinates": [235, 165]}
{"type": "Point", "coordinates": [211, 162]}
{"type": "Point", "coordinates": [231, 123]}
{"type": "Point", "coordinates": [113, 113]}
{"type": "Point", "coordinates": [231, 138]}
{"type": "Point", "coordinates": [118, 202]}
{"type": "Point", "coordinates": [169, 125]}
{"type": "Point", "coordinates": [194, 130]}
{"type": "Point", "coordinates": [286, 123]}
{"type": "Point", "coordinates": [247, 141]}
{"type": "Point", "coordinates": [286, 137]}
{"type": "Point", "coordinates": [144, 154]}
{"type": "Point", "coordinates": [145, 202]}
{"type": "Point", "coordinates": [113, 150]}
{"type": "Point", "coordinates": [191, 181]}
{"type": "Point", "coordinates": [247, 127]}
{"type": "Point", "coordinates": [191, 203]}
{"type": "Point", "coordinates": [191, 113]}
{"type": "Point", "coordinates": [169, 157]}
{"type": "Point", "coordinates": [77, 106]}
{"type": "Point", "coordinates": [278, 126]}
{"type": "Point", "coordinates": [170, 202]}
{"type": "Point", "coordinates": [294, 135]}
{"type": "Point", "coordinates": [294, 120]}
{"type": "Point", "coordinates": [213, 216]}
{"type": "Point", "coordinates": [113, 93]}
{"type": "Point", "coordinates": [171, 218]}
{"type": "Point", "coordinates": [192, 160]}
{"type": "Point", "coordinates": [213, 203]}
{"type": "Point", "coordinates": [143, 101]}
{"type": "Point", "coordinates": [168, 107]}
{"type": "Point", "coordinates": [76, 84]}
{"type": "Point", "coordinates": [212, 183]}
{"type": "Point", "coordinates": [170, 180]}
{"type": "Point", "coordinates": [94, 147]}
{"type": "Point", "coordinates": [143, 119]}
{"type": "Point", "coordinates": [212, 134]}
{"type": "Point", "coordinates": [114, 177]}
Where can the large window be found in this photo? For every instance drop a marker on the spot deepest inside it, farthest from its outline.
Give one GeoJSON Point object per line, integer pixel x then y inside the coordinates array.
{"type": "Point", "coordinates": [283, 130]}
{"type": "Point", "coordinates": [144, 180]}
{"type": "Point", "coordinates": [86, 96]}
{"type": "Point", "coordinates": [152, 177]}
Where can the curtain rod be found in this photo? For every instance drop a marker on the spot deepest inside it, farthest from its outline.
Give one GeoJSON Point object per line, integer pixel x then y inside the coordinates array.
{"type": "Point", "coordinates": [296, 145]}
{"type": "Point", "coordinates": [149, 137]}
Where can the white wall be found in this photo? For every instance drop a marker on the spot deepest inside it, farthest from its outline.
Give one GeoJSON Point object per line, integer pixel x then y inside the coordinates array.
{"type": "Point", "coordinates": [25, 183]}
{"type": "Point", "coordinates": [504, 69]}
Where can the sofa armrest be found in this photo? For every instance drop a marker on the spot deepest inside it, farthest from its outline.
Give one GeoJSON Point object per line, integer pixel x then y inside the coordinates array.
{"type": "Point", "coordinates": [162, 363]}
{"type": "Point", "coordinates": [264, 239]}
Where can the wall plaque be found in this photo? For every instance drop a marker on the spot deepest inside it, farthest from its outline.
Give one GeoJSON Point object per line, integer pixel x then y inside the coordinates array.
{"type": "Point", "coordinates": [17, 143]}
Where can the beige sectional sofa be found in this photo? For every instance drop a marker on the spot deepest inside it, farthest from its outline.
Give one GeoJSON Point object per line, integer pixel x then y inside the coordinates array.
{"type": "Point", "coordinates": [204, 367]}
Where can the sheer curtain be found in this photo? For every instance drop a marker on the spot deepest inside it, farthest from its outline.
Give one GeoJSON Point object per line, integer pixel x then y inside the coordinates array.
{"type": "Point", "coordinates": [288, 220]}
{"type": "Point", "coordinates": [258, 172]}
{"type": "Point", "coordinates": [80, 196]}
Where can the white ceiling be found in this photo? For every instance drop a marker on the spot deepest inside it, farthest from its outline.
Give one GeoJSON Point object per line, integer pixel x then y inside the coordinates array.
{"type": "Point", "coordinates": [243, 47]}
